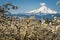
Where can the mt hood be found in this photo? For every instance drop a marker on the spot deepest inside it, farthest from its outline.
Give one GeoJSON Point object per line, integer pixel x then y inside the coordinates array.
{"type": "Point", "coordinates": [43, 9]}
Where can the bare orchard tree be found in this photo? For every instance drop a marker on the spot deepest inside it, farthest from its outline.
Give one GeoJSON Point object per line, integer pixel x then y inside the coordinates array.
{"type": "Point", "coordinates": [58, 3]}
{"type": "Point", "coordinates": [6, 7]}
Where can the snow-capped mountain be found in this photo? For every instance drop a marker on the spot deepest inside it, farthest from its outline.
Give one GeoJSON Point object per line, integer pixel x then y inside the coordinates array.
{"type": "Point", "coordinates": [43, 9]}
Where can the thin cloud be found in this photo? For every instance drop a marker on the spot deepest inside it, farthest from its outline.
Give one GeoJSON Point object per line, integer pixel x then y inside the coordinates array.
{"type": "Point", "coordinates": [43, 4]}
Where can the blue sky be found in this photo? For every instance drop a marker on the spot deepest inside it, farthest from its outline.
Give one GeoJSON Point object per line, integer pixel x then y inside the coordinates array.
{"type": "Point", "coordinates": [28, 5]}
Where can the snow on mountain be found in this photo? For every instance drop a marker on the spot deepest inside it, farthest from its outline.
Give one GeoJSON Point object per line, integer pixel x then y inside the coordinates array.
{"type": "Point", "coordinates": [43, 9]}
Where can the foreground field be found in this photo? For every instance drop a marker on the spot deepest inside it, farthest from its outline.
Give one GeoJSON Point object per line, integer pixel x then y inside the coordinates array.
{"type": "Point", "coordinates": [29, 29]}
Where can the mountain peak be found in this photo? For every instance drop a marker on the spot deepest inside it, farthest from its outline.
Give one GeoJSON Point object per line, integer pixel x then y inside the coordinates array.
{"type": "Point", "coordinates": [43, 9]}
